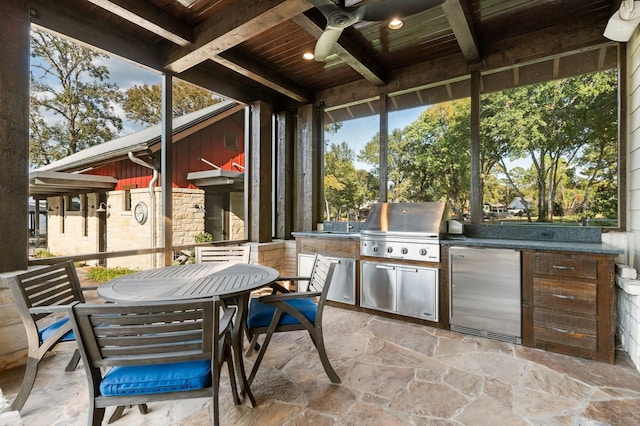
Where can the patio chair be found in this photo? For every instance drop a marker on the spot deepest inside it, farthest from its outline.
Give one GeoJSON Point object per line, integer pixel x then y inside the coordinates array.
{"type": "Point", "coordinates": [293, 311]}
{"type": "Point", "coordinates": [134, 354]}
{"type": "Point", "coordinates": [219, 254]}
{"type": "Point", "coordinates": [42, 297]}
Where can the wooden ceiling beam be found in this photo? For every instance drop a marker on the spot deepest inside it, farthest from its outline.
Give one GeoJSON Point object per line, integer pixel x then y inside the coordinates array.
{"type": "Point", "coordinates": [237, 23]}
{"type": "Point", "coordinates": [348, 53]}
{"type": "Point", "coordinates": [150, 18]}
{"type": "Point", "coordinates": [55, 16]}
{"type": "Point", "coordinates": [263, 76]}
{"type": "Point", "coordinates": [560, 41]}
{"type": "Point", "coordinates": [461, 27]}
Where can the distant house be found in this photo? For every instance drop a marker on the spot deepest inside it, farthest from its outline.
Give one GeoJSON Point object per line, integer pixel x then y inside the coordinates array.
{"type": "Point", "coordinates": [108, 197]}
{"type": "Point", "coordinates": [519, 204]}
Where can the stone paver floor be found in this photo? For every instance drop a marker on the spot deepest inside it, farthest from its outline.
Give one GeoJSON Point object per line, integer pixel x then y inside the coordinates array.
{"type": "Point", "coordinates": [393, 373]}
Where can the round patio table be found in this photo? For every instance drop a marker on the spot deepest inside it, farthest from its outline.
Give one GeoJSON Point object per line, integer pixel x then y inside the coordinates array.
{"type": "Point", "coordinates": [181, 282]}
{"type": "Point", "coordinates": [196, 281]}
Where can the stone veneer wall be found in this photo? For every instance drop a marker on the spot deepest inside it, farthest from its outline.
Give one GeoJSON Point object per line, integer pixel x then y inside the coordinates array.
{"type": "Point", "coordinates": [12, 333]}
{"type": "Point", "coordinates": [236, 216]}
{"type": "Point", "coordinates": [66, 234]}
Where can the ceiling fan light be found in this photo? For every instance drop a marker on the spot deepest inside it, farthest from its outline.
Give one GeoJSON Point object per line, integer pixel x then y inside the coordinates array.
{"type": "Point", "coordinates": [395, 24]}
{"type": "Point", "coordinates": [308, 56]}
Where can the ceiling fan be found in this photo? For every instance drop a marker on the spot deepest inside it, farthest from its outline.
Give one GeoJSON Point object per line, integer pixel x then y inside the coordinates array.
{"type": "Point", "coordinates": [340, 17]}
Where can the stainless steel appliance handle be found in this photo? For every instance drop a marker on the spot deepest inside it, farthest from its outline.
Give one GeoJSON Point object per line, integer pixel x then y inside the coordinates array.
{"type": "Point", "coordinates": [407, 269]}
{"type": "Point", "coordinates": [385, 267]}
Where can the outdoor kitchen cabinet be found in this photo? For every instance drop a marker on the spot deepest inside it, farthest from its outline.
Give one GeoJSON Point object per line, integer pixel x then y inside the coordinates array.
{"type": "Point", "coordinates": [400, 289]}
{"type": "Point", "coordinates": [568, 303]}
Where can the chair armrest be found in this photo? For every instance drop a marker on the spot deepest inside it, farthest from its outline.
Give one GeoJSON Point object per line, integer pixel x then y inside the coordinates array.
{"type": "Point", "coordinates": [49, 309]}
{"type": "Point", "coordinates": [227, 316]}
{"type": "Point", "coordinates": [296, 278]}
{"type": "Point", "coordinates": [289, 296]}
{"type": "Point", "coordinates": [90, 288]}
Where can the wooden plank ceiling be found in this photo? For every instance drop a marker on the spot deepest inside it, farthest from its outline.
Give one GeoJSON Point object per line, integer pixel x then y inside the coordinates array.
{"type": "Point", "coordinates": [252, 49]}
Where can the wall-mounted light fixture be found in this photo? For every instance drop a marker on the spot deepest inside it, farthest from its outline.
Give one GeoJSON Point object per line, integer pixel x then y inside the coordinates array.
{"type": "Point", "coordinates": [199, 208]}
{"type": "Point", "coordinates": [53, 209]}
{"type": "Point", "coordinates": [102, 207]}
{"type": "Point", "coordinates": [623, 22]}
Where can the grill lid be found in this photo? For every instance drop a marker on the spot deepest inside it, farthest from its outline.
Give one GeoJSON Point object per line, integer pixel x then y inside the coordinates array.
{"type": "Point", "coordinates": [424, 219]}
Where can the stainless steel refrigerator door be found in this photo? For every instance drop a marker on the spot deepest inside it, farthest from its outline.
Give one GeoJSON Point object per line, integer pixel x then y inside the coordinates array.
{"type": "Point", "coordinates": [417, 292]}
{"type": "Point", "coordinates": [343, 282]}
{"type": "Point", "coordinates": [486, 289]}
{"type": "Point", "coordinates": [378, 288]}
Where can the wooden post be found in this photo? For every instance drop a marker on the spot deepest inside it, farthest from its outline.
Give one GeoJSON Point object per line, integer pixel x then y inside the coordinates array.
{"type": "Point", "coordinates": [476, 182]}
{"type": "Point", "coordinates": [284, 176]}
{"type": "Point", "coordinates": [260, 178]}
{"type": "Point", "coordinates": [14, 135]}
{"type": "Point", "coordinates": [307, 169]}
{"type": "Point", "coordinates": [167, 166]}
{"type": "Point", "coordinates": [384, 148]}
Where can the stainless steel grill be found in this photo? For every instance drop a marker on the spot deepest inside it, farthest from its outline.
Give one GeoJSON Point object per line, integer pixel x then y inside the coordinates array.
{"type": "Point", "coordinates": [408, 231]}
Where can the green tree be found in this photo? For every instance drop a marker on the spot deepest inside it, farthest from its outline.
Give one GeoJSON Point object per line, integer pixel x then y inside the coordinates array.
{"type": "Point", "coordinates": [143, 104]}
{"type": "Point", "coordinates": [73, 90]}
{"type": "Point", "coordinates": [340, 180]}
{"type": "Point", "coordinates": [557, 125]}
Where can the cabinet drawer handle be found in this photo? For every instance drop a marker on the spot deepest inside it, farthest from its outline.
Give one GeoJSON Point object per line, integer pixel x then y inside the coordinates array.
{"type": "Point", "coordinates": [562, 296]}
{"type": "Point", "coordinates": [563, 268]}
{"type": "Point", "coordinates": [562, 330]}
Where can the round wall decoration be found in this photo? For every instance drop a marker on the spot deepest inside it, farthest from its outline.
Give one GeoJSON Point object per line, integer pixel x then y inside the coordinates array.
{"type": "Point", "coordinates": [141, 212]}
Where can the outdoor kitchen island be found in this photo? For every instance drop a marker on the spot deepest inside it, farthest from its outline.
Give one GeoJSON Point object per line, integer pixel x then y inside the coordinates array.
{"type": "Point", "coordinates": [567, 281]}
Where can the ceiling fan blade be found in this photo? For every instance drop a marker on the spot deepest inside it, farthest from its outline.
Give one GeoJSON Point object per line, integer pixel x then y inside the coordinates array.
{"type": "Point", "coordinates": [326, 42]}
{"type": "Point", "coordinates": [384, 10]}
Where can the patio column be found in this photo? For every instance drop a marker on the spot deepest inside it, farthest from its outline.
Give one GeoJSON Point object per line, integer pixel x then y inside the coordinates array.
{"type": "Point", "coordinates": [285, 183]}
{"type": "Point", "coordinates": [260, 177]}
{"type": "Point", "coordinates": [14, 135]}
{"type": "Point", "coordinates": [308, 172]}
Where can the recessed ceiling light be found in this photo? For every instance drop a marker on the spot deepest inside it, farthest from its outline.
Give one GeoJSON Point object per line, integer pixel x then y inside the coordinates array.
{"type": "Point", "coordinates": [308, 56]}
{"type": "Point", "coordinates": [395, 24]}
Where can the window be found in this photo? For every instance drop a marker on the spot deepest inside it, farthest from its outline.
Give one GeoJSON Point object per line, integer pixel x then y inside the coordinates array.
{"type": "Point", "coordinates": [548, 152]}
{"type": "Point", "coordinates": [231, 141]}
{"type": "Point", "coordinates": [73, 203]}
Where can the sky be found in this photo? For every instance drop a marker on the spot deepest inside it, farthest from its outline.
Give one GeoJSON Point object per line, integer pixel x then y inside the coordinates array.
{"type": "Point", "coordinates": [360, 131]}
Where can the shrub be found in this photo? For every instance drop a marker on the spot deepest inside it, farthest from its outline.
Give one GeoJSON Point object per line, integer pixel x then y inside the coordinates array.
{"type": "Point", "coordinates": [102, 274]}
{"type": "Point", "coordinates": [203, 237]}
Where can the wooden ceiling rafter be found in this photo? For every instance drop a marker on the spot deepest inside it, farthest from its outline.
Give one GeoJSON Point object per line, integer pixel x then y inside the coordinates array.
{"type": "Point", "coordinates": [233, 25]}
{"type": "Point", "coordinates": [150, 18]}
{"type": "Point", "coordinates": [461, 27]}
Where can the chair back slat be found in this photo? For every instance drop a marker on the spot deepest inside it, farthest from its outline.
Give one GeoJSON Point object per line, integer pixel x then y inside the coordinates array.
{"type": "Point", "coordinates": [321, 274]}
{"type": "Point", "coordinates": [219, 254]}
{"type": "Point", "coordinates": [48, 286]}
{"type": "Point", "coordinates": [144, 334]}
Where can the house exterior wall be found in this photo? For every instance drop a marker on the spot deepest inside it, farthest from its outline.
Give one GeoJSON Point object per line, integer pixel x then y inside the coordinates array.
{"type": "Point", "coordinates": [73, 232]}
{"type": "Point", "coordinates": [628, 303]}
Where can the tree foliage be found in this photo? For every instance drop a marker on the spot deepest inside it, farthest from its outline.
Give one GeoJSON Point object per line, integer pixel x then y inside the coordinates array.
{"type": "Point", "coordinates": [143, 103]}
{"type": "Point", "coordinates": [72, 104]}
{"type": "Point", "coordinates": [564, 129]}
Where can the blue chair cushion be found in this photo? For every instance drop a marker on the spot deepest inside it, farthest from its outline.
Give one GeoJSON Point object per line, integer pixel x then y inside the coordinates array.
{"type": "Point", "coordinates": [260, 314]}
{"type": "Point", "coordinates": [46, 332]}
{"type": "Point", "coordinates": [149, 379]}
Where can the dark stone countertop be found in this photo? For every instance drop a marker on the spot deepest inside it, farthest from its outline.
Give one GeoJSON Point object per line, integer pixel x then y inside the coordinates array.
{"type": "Point", "coordinates": [516, 244]}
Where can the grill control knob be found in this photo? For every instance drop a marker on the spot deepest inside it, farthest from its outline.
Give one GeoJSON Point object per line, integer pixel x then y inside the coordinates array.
{"type": "Point", "coordinates": [389, 249]}
{"type": "Point", "coordinates": [404, 250]}
{"type": "Point", "coordinates": [375, 249]}
{"type": "Point", "coordinates": [423, 252]}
